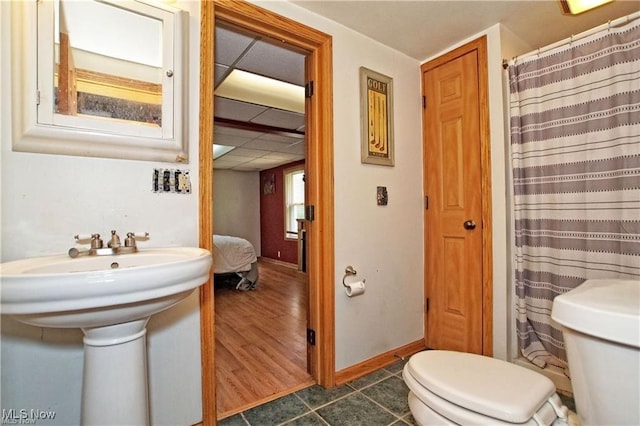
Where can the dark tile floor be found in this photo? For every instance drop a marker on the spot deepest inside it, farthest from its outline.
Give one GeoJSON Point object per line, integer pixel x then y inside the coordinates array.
{"type": "Point", "coordinates": [378, 399]}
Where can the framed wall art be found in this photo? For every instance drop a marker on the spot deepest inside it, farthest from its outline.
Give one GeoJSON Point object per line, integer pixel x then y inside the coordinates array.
{"type": "Point", "coordinates": [269, 184]}
{"type": "Point", "coordinates": [376, 116]}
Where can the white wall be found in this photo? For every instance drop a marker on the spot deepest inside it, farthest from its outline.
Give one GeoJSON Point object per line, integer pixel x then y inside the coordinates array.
{"type": "Point", "coordinates": [236, 207]}
{"type": "Point", "coordinates": [46, 199]}
{"type": "Point", "coordinates": [384, 244]}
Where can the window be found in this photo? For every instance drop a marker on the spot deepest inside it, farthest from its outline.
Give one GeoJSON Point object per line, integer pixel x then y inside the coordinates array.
{"type": "Point", "coordinates": [293, 200]}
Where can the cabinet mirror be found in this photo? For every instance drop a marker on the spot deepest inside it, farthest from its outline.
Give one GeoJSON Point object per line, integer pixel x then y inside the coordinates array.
{"type": "Point", "coordinates": [99, 78]}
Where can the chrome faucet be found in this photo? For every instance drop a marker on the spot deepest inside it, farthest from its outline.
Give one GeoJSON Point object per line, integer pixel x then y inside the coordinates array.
{"type": "Point", "coordinates": [113, 246]}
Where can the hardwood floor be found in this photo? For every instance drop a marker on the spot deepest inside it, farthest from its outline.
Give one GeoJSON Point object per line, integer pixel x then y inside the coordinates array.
{"type": "Point", "coordinates": [261, 348]}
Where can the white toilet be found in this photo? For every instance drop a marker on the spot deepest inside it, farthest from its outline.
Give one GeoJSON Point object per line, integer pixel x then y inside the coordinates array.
{"type": "Point", "coordinates": [601, 327]}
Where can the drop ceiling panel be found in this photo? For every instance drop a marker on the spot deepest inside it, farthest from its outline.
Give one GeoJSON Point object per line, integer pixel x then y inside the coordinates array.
{"type": "Point", "coordinates": [256, 150]}
{"type": "Point", "coordinates": [274, 61]}
{"type": "Point", "coordinates": [229, 161]}
{"type": "Point", "coordinates": [298, 149]}
{"type": "Point", "coordinates": [280, 156]}
{"type": "Point", "coordinates": [230, 45]}
{"type": "Point", "coordinates": [229, 140]}
{"type": "Point", "coordinates": [233, 131]}
{"type": "Point", "coordinates": [220, 72]}
{"type": "Point", "coordinates": [261, 162]}
{"type": "Point", "coordinates": [279, 118]}
{"type": "Point", "coordinates": [266, 145]}
{"type": "Point", "coordinates": [283, 139]}
{"type": "Point", "coordinates": [252, 153]}
{"type": "Point", "coordinates": [235, 110]}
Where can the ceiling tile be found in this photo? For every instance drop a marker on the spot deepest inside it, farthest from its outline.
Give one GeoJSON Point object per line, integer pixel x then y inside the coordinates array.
{"type": "Point", "coordinates": [299, 149]}
{"type": "Point", "coordinates": [282, 139]}
{"type": "Point", "coordinates": [220, 73]}
{"type": "Point", "coordinates": [236, 110]}
{"type": "Point", "coordinates": [234, 131]}
{"type": "Point", "coordinates": [229, 140]}
{"type": "Point", "coordinates": [245, 152]}
{"type": "Point", "coordinates": [256, 150]}
{"type": "Point", "coordinates": [274, 61]}
{"type": "Point", "coordinates": [279, 156]}
{"type": "Point", "coordinates": [266, 145]}
{"type": "Point", "coordinates": [279, 118]}
{"type": "Point", "coordinates": [228, 163]}
{"type": "Point", "coordinates": [229, 45]}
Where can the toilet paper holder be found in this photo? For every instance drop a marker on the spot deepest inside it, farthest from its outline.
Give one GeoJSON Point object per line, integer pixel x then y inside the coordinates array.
{"type": "Point", "coordinates": [348, 272]}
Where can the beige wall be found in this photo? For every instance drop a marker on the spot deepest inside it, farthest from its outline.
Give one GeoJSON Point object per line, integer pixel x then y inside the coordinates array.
{"type": "Point", "coordinates": [383, 243]}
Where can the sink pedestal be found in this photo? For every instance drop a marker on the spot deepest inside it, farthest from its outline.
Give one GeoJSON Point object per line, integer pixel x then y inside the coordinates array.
{"type": "Point", "coordinates": [114, 388]}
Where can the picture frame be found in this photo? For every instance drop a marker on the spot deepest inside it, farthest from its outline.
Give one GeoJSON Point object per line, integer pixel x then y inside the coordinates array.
{"type": "Point", "coordinates": [376, 118]}
{"type": "Point", "coordinates": [269, 184]}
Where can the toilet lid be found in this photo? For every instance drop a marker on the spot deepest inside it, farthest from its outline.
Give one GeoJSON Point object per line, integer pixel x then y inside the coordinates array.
{"type": "Point", "coordinates": [485, 385]}
{"type": "Point", "coordinates": [605, 308]}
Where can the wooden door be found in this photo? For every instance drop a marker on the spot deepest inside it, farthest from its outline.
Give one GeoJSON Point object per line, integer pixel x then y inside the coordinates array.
{"type": "Point", "coordinates": [453, 210]}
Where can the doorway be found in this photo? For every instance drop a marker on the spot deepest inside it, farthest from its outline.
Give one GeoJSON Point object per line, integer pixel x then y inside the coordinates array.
{"type": "Point", "coordinates": [259, 168]}
{"type": "Point", "coordinates": [319, 130]}
{"type": "Point", "coordinates": [458, 259]}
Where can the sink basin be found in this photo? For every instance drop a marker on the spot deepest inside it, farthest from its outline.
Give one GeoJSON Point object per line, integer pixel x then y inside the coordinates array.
{"type": "Point", "coordinates": [90, 291]}
{"type": "Point", "coordinates": [111, 299]}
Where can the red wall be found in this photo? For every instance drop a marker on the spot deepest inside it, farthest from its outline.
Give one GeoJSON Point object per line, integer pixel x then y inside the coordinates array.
{"type": "Point", "coordinates": [272, 218]}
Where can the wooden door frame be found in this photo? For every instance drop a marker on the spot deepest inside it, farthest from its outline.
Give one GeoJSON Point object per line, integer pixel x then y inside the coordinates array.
{"type": "Point", "coordinates": [320, 180]}
{"type": "Point", "coordinates": [480, 46]}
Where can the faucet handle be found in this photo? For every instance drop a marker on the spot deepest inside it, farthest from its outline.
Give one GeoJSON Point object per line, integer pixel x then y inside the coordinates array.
{"type": "Point", "coordinates": [96, 242]}
{"type": "Point", "coordinates": [130, 241]}
{"type": "Point", "coordinates": [138, 234]}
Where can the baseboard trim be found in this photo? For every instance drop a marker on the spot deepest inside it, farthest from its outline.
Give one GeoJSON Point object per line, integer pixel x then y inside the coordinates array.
{"type": "Point", "coordinates": [372, 364]}
{"type": "Point", "coordinates": [278, 262]}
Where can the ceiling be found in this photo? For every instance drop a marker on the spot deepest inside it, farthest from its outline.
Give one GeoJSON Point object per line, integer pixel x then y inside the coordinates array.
{"type": "Point", "coordinates": [264, 137]}
{"type": "Point", "coordinates": [420, 29]}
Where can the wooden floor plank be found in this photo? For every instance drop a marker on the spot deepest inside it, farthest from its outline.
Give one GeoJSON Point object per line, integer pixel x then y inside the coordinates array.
{"type": "Point", "coordinates": [261, 348]}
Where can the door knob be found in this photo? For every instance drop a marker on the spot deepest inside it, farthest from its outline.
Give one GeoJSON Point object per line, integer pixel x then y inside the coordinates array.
{"type": "Point", "coordinates": [469, 225]}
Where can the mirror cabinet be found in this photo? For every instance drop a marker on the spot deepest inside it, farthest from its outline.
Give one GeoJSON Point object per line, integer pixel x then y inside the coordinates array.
{"type": "Point", "coordinates": [99, 78]}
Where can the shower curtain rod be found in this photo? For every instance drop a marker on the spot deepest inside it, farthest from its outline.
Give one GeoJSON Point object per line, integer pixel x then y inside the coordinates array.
{"type": "Point", "coordinates": [569, 40]}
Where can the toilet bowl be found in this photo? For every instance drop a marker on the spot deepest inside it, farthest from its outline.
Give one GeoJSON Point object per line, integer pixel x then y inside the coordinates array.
{"type": "Point", "coordinates": [601, 329]}
{"type": "Point", "coordinates": [456, 388]}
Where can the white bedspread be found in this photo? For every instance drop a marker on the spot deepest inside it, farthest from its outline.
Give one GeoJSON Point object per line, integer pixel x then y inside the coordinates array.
{"type": "Point", "coordinates": [232, 254]}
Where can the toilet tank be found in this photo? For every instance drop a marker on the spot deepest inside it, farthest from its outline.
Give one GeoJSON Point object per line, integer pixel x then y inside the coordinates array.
{"type": "Point", "coordinates": [601, 328]}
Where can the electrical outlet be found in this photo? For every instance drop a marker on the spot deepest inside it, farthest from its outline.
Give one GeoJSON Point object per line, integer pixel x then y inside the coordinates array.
{"type": "Point", "coordinates": [278, 254]}
{"type": "Point", "coordinates": [184, 183]}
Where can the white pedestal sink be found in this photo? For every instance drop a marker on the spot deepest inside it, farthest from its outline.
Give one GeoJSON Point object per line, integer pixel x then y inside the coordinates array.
{"type": "Point", "coordinates": [111, 299]}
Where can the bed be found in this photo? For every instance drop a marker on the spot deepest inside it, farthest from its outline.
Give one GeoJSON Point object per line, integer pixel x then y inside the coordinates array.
{"type": "Point", "coordinates": [234, 255]}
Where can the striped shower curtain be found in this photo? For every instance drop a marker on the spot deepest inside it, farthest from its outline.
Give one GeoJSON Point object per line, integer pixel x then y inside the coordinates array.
{"type": "Point", "coordinates": [575, 153]}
